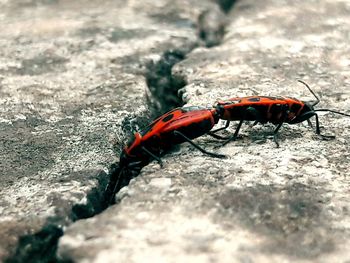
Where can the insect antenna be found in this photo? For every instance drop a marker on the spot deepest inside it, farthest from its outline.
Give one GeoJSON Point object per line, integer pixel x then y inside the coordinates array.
{"type": "Point", "coordinates": [113, 184]}
{"type": "Point", "coordinates": [313, 93]}
{"type": "Point", "coordinates": [318, 100]}
{"type": "Point", "coordinates": [337, 112]}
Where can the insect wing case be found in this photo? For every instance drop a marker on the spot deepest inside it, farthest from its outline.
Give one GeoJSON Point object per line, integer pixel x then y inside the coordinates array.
{"type": "Point", "coordinates": [192, 124]}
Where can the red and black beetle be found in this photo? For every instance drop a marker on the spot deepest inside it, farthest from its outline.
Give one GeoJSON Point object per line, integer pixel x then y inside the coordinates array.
{"type": "Point", "coordinates": [174, 127]}
{"type": "Point", "coordinates": [276, 110]}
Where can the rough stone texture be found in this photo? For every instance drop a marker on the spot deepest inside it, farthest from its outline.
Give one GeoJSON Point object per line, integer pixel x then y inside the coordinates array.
{"type": "Point", "coordinates": [70, 71]}
{"type": "Point", "coordinates": [262, 204]}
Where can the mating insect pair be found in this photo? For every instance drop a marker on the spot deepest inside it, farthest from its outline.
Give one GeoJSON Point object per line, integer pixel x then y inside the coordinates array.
{"type": "Point", "coordinates": [187, 123]}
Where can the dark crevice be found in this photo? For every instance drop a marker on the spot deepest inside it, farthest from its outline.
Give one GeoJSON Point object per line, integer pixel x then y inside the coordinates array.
{"type": "Point", "coordinates": [162, 84]}
{"type": "Point", "coordinates": [164, 87]}
{"type": "Point", "coordinates": [226, 5]}
{"type": "Point", "coordinates": [211, 23]}
{"type": "Point", "coordinates": [163, 95]}
{"type": "Point", "coordinates": [40, 247]}
{"type": "Point", "coordinates": [211, 27]}
{"type": "Point", "coordinates": [95, 200]}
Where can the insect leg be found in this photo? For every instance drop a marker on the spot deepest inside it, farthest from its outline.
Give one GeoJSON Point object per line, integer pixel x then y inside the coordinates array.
{"type": "Point", "coordinates": [212, 133]}
{"type": "Point", "coordinates": [318, 131]}
{"type": "Point", "coordinates": [153, 156]}
{"type": "Point", "coordinates": [198, 147]}
{"type": "Point", "coordinates": [250, 110]}
{"type": "Point", "coordinates": [285, 112]}
{"type": "Point", "coordinates": [307, 116]}
{"type": "Point", "coordinates": [309, 123]}
{"type": "Point", "coordinates": [219, 137]}
{"type": "Point", "coordinates": [275, 132]}
{"type": "Point", "coordinates": [222, 128]}
{"type": "Point", "coordinates": [113, 185]}
{"type": "Point", "coordinates": [134, 165]}
{"type": "Point", "coordinates": [235, 135]}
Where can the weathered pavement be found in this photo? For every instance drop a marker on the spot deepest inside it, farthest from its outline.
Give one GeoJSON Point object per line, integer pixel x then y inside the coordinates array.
{"type": "Point", "coordinates": [60, 106]}
{"type": "Point", "coordinates": [70, 73]}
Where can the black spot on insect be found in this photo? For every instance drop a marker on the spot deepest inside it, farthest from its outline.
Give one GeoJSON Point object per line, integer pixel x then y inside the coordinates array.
{"type": "Point", "coordinates": [275, 98]}
{"type": "Point", "coordinates": [168, 118]}
{"type": "Point", "coordinates": [295, 107]}
{"type": "Point", "coordinates": [254, 99]}
{"type": "Point", "coordinates": [270, 98]}
{"type": "Point", "coordinates": [276, 109]}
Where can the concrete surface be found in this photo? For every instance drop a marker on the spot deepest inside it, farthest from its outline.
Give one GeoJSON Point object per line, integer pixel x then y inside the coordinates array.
{"type": "Point", "coordinates": [71, 80]}
{"type": "Point", "coordinates": [70, 73]}
{"type": "Point", "coordinates": [262, 204]}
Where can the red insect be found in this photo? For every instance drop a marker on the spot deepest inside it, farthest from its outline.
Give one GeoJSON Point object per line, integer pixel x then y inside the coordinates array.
{"type": "Point", "coordinates": [276, 110]}
{"type": "Point", "coordinates": [175, 127]}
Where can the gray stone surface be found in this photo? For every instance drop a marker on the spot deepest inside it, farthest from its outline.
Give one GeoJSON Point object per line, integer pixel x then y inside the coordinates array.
{"type": "Point", "coordinates": [70, 72]}
{"type": "Point", "coordinates": [262, 204]}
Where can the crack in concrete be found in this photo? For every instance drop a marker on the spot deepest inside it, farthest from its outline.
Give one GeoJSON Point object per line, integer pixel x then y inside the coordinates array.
{"type": "Point", "coordinates": [164, 86]}
{"type": "Point", "coordinates": [40, 247]}
{"type": "Point", "coordinates": [163, 95]}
